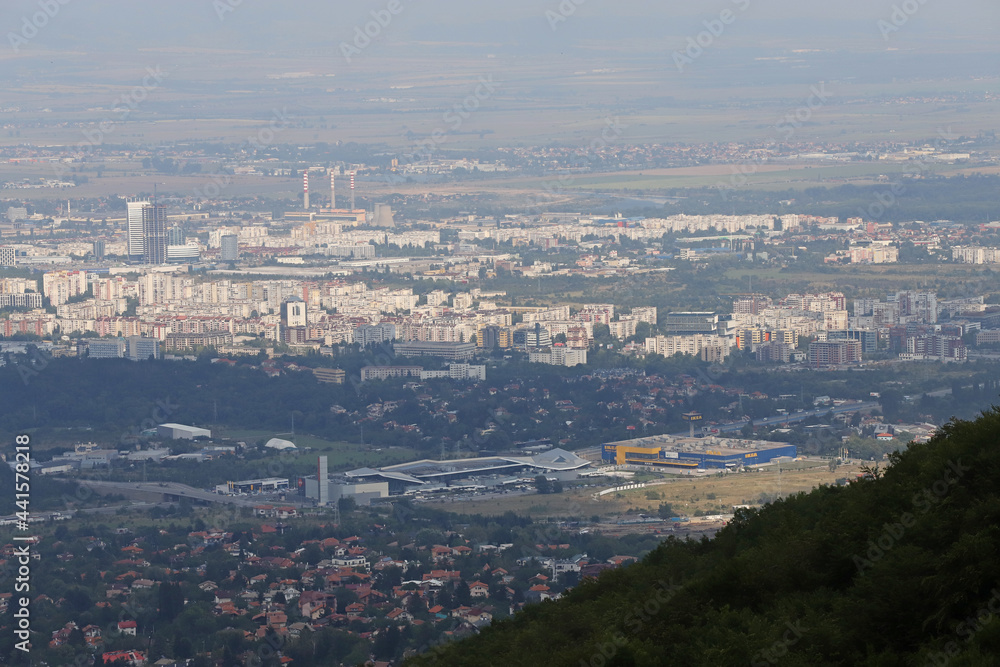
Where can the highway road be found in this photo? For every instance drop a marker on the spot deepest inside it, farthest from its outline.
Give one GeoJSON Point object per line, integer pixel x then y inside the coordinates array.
{"type": "Point", "coordinates": [171, 489]}
{"type": "Point", "coordinates": [796, 416]}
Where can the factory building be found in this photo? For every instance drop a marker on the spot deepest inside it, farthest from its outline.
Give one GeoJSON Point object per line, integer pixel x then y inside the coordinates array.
{"type": "Point", "coordinates": [181, 432]}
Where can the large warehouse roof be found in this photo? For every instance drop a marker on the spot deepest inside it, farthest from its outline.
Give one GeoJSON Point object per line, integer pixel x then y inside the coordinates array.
{"type": "Point", "coordinates": [177, 431]}
{"type": "Point", "coordinates": [427, 470]}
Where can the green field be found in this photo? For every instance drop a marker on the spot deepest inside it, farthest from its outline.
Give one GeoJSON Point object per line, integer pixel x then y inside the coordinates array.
{"type": "Point", "coordinates": [341, 455]}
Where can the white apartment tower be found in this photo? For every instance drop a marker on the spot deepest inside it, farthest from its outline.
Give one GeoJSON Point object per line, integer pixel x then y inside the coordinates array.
{"type": "Point", "coordinates": [134, 233]}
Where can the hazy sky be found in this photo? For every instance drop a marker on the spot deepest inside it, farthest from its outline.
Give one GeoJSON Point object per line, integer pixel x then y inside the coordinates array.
{"type": "Point", "coordinates": [265, 26]}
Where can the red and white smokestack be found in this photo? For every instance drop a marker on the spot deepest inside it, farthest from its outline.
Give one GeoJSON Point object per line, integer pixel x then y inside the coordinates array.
{"type": "Point", "coordinates": [353, 207]}
{"type": "Point", "coordinates": [333, 189]}
{"type": "Point", "coordinates": [305, 190]}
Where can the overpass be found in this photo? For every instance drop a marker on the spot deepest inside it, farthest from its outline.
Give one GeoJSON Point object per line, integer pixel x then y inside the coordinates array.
{"type": "Point", "coordinates": [167, 492]}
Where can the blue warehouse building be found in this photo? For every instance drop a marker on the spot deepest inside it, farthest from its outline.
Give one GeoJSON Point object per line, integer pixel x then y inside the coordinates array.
{"type": "Point", "coordinates": [670, 453]}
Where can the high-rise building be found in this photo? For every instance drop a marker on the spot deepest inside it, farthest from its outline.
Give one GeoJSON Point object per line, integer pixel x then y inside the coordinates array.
{"type": "Point", "coordinates": [834, 353]}
{"type": "Point", "coordinates": [99, 249]}
{"type": "Point", "coordinates": [293, 320]}
{"type": "Point", "coordinates": [919, 306]}
{"type": "Point", "coordinates": [532, 337]}
{"type": "Point", "coordinates": [488, 337]}
{"type": "Point", "coordinates": [175, 235]}
{"type": "Point", "coordinates": [7, 256]}
{"type": "Point", "coordinates": [230, 248]}
{"type": "Point", "coordinates": [134, 232]}
{"type": "Point", "coordinates": [154, 234]}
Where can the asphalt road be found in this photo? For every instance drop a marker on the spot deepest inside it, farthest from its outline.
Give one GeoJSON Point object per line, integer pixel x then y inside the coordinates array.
{"type": "Point", "coordinates": [174, 489]}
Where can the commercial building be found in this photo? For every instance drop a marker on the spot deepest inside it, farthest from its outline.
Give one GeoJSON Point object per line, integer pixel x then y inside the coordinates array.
{"type": "Point", "coordinates": [146, 232]}
{"type": "Point", "coordinates": [835, 353]}
{"type": "Point", "coordinates": [294, 321]}
{"type": "Point", "coordinates": [134, 244]}
{"type": "Point", "coordinates": [454, 372]}
{"type": "Point", "coordinates": [558, 356]}
{"type": "Point", "coordinates": [386, 372]}
{"type": "Point", "coordinates": [8, 257]}
{"type": "Point", "coordinates": [490, 337]}
{"type": "Point", "coordinates": [31, 300]}
{"type": "Point", "coordinates": [375, 334]}
{"type": "Point", "coordinates": [103, 349]}
{"type": "Point", "coordinates": [676, 324]}
{"type": "Point", "coordinates": [230, 248]}
{"type": "Point", "coordinates": [175, 235]}
{"type": "Point", "coordinates": [325, 491]}
{"type": "Point", "coordinates": [869, 339]}
{"type": "Point", "coordinates": [534, 336]}
{"type": "Point", "coordinates": [190, 341]}
{"type": "Point", "coordinates": [874, 253]}
{"type": "Point", "coordinates": [330, 375]}
{"type": "Point", "coordinates": [976, 255]}
{"type": "Point", "coordinates": [60, 286]}
{"type": "Point", "coordinates": [916, 306]}
{"type": "Point", "coordinates": [154, 234]}
{"type": "Point", "coordinates": [406, 476]}
{"type": "Point", "coordinates": [935, 347]}
{"type": "Point", "coordinates": [705, 346]}
{"type": "Point", "coordinates": [455, 351]}
{"type": "Point", "coordinates": [183, 253]}
{"type": "Point", "coordinates": [774, 353]}
{"type": "Point", "coordinates": [751, 304]}
{"type": "Point", "coordinates": [457, 372]}
{"type": "Point", "coordinates": [134, 348]}
{"type": "Point", "coordinates": [253, 486]}
{"type": "Point", "coordinates": [140, 348]}
{"type": "Point", "coordinates": [182, 432]}
{"type": "Point", "coordinates": [359, 251]}
{"type": "Point", "coordinates": [676, 453]}
{"type": "Point", "coordinates": [988, 337]}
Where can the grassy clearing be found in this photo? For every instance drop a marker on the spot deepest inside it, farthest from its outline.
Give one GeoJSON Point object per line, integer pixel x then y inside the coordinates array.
{"type": "Point", "coordinates": [342, 455]}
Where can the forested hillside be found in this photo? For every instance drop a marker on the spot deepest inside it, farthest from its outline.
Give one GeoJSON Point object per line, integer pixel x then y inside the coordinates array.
{"type": "Point", "coordinates": [901, 569]}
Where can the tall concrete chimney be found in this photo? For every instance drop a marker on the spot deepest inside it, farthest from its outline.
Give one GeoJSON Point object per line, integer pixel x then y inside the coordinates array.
{"type": "Point", "coordinates": [322, 478]}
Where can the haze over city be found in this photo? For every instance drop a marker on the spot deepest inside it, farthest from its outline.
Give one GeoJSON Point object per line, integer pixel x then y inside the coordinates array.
{"type": "Point", "coordinates": [415, 332]}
